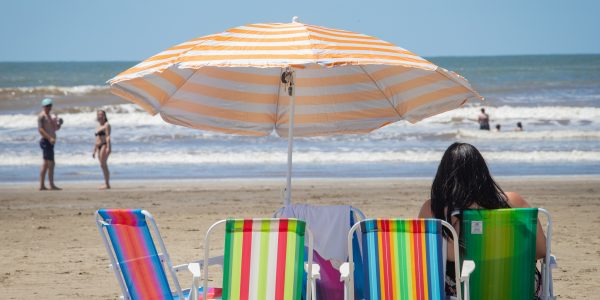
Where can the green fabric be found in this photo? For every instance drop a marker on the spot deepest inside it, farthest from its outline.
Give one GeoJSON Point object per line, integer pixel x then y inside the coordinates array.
{"type": "Point", "coordinates": [226, 263]}
{"type": "Point", "coordinates": [300, 231]}
{"type": "Point", "coordinates": [502, 242]}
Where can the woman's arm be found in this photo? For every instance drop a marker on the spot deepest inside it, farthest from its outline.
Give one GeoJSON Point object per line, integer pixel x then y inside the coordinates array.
{"type": "Point", "coordinates": [108, 146]}
{"type": "Point", "coordinates": [516, 201]}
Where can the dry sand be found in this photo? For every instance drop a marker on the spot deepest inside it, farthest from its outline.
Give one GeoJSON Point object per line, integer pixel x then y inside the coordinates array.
{"type": "Point", "coordinates": [50, 246]}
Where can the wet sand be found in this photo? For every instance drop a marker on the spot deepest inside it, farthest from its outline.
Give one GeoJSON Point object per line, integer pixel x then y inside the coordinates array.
{"type": "Point", "coordinates": [51, 246]}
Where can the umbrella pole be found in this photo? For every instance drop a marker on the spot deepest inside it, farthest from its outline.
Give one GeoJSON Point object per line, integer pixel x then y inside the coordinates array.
{"type": "Point", "coordinates": [292, 93]}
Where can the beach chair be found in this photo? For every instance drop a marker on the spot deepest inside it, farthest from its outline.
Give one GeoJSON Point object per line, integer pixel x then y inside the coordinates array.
{"type": "Point", "coordinates": [138, 266]}
{"type": "Point", "coordinates": [502, 242]}
{"type": "Point", "coordinates": [329, 286]}
{"type": "Point", "coordinates": [404, 259]}
{"type": "Point", "coordinates": [264, 259]}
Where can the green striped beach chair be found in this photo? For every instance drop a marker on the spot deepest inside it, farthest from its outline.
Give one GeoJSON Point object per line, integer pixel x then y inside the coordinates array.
{"type": "Point", "coordinates": [403, 259]}
{"type": "Point", "coordinates": [502, 242]}
{"type": "Point", "coordinates": [264, 259]}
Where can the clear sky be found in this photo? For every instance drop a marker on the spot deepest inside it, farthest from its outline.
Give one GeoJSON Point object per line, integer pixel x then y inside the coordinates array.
{"type": "Point", "coordinates": [81, 30]}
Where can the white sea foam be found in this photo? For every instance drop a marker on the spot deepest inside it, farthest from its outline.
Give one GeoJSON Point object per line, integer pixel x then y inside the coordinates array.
{"type": "Point", "coordinates": [132, 115]}
{"type": "Point", "coordinates": [127, 115]}
{"type": "Point", "coordinates": [313, 157]}
{"type": "Point", "coordinates": [530, 135]}
{"type": "Point", "coordinates": [521, 113]}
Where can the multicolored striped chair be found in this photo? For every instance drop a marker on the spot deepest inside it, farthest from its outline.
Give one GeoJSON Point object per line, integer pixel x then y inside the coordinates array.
{"type": "Point", "coordinates": [502, 242]}
{"type": "Point", "coordinates": [264, 259]}
{"type": "Point", "coordinates": [403, 259]}
{"type": "Point", "coordinates": [135, 259]}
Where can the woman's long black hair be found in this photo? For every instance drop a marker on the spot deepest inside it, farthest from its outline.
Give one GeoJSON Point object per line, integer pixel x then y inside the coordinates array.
{"type": "Point", "coordinates": [463, 179]}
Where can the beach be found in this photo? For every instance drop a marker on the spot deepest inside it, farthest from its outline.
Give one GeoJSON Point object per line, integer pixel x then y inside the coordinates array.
{"type": "Point", "coordinates": [51, 247]}
{"type": "Point", "coordinates": [189, 178]}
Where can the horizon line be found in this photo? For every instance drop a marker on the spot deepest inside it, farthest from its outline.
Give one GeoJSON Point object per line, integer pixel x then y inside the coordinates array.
{"type": "Point", "coordinates": [425, 56]}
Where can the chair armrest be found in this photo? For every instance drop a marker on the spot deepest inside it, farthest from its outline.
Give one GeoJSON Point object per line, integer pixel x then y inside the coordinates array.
{"type": "Point", "coordinates": [316, 271]}
{"type": "Point", "coordinates": [547, 284]}
{"type": "Point", "coordinates": [553, 264]}
{"type": "Point", "coordinates": [467, 268]}
{"type": "Point", "coordinates": [345, 271]}
{"type": "Point", "coordinates": [194, 268]}
{"type": "Point", "coordinates": [217, 260]}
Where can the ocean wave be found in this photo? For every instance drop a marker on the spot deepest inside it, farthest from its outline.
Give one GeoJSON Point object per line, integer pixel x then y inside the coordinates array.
{"type": "Point", "coordinates": [131, 114]}
{"type": "Point", "coordinates": [518, 113]}
{"type": "Point", "coordinates": [51, 90]}
{"type": "Point", "coordinates": [312, 157]}
{"type": "Point", "coordinates": [530, 135]}
{"type": "Point", "coordinates": [124, 115]}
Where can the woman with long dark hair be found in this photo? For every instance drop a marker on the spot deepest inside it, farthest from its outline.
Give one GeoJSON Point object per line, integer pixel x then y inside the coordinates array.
{"type": "Point", "coordinates": [462, 182]}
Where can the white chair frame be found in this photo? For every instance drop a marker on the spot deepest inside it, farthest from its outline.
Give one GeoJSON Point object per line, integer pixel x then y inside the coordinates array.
{"type": "Point", "coordinates": [549, 261]}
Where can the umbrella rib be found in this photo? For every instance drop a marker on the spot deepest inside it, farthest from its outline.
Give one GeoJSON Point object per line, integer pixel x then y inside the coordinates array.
{"type": "Point", "coordinates": [314, 52]}
{"type": "Point", "coordinates": [445, 73]}
{"type": "Point", "coordinates": [194, 70]}
{"type": "Point", "coordinates": [381, 91]}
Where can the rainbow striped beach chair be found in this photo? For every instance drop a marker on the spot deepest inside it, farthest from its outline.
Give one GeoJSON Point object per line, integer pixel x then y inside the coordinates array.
{"type": "Point", "coordinates": [264, 259]}
{"type": "Point", "coordinates": [502, 242]}
{"type": "Point", "coordinates": [403, 259]}
{"type": "Point", "coordinates": [138, 266]}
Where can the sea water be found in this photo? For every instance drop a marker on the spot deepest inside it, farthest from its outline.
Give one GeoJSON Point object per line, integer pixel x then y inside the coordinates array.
{"type": "Point", "coordinates": [556, 98]}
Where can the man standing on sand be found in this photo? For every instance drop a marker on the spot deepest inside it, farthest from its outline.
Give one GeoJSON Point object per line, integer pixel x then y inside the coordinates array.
{"type": "Point", "coordinates": [484, 120]}
{"type": "Point", "coordinates": [47, 127]}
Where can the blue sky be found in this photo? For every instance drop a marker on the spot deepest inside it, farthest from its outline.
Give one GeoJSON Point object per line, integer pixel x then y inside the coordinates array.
{"type": "Point", "coordinates": [79, 30]}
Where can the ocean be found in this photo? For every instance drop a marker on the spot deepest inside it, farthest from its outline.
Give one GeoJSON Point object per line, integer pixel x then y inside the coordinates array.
{"type": "Point", "coordinates": [555, 97]}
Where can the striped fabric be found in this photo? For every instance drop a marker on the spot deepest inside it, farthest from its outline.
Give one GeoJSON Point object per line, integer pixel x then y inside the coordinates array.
{"type": "Point", "coordinates": [502, 242]}
{"type": "Point", "coordinates": [403, 259]}
{"type": "Point", "coordinates": [346, 82]}
{"type": "Point", "coordinates": [263, 259]}
{"type": "Point", "coordinates": [136, 254]}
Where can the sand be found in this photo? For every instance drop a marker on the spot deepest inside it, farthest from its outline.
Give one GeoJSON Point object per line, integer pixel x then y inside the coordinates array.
{"type": "Point", "coordinates": [50, 245]}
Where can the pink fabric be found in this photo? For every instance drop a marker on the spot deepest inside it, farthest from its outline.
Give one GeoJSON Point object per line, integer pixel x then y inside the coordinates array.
{"type": "Point", "coordinates": [329, 287]}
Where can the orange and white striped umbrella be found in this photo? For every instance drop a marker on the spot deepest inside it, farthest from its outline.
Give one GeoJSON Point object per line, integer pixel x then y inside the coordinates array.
{"type": "Point", "coordinates": [260, 78]}
{"type": "Point", "coordinates": [345, 82]}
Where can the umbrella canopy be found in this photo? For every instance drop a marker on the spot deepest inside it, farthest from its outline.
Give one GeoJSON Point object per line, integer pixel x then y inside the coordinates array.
{"type": "Point", "coordinates": [340, 82]}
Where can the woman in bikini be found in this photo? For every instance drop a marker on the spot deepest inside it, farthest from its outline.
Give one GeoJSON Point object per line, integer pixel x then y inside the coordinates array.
{"type": "Point", "coordinates": [103, 146]}
{"type": "Point", "coordinates": [463, 181]}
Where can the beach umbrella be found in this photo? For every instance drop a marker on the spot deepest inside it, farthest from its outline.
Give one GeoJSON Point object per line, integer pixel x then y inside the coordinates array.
{"type": "Point", "coordinates": [291, 79]}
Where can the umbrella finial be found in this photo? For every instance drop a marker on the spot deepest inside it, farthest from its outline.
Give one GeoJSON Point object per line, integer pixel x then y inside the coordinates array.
{"type": "Point", "coordinates": [295, 19]}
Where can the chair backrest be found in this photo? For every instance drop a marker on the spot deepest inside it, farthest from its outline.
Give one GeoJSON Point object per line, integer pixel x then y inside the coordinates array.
{"type": "Point", "coordinates": [133, 254]}
{"type": "Point", "coordinates": [264, 258]}
{"type": "Point", "coordinates": [402, 259]}
{"type": "Point", "coordinates": [502, 242]}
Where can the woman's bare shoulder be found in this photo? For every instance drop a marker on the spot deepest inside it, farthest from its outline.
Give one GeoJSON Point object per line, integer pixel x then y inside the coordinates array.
{"type": "Point", "coordinates": [425, 211]}
{"type": "Point", "coordinates": [516, 200]}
